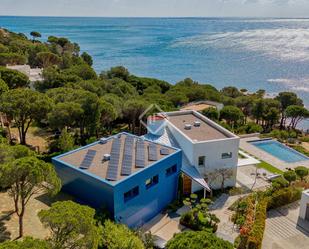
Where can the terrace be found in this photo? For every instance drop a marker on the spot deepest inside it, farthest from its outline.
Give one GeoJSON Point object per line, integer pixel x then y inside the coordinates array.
{"type": "Point", "coordinates": [197, 127]}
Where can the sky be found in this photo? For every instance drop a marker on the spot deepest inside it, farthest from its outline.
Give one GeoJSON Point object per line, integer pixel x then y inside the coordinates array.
{"type": "Point", "coordinates": [157, 8]}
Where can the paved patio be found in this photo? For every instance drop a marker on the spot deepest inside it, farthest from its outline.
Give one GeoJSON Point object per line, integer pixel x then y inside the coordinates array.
{"type": "Point", "coordinates": [247, 180]}
{"type": "Point", "coordinates": [165, 226]}
{"type": "Point", "coordinates": [260, 154]}
{"type": "Point", "coordinates": [226, 229]}
{"type": "Point", "coordinates": [285, 230]}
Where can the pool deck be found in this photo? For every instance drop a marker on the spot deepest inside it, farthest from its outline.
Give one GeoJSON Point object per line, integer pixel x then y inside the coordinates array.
{"type": "Point", "coordinates": [262, 155]}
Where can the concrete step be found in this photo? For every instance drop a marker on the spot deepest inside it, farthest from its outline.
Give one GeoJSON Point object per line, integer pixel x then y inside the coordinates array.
{"type": "Point", "coordinates": [279, 226]}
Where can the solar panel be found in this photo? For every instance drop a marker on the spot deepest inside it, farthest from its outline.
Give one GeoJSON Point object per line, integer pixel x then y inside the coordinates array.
{"type": "Point", "coordinates": [164, 151]}
{"type": "Point", "coordinates": [126, 168]}
{"type": "Point", "coordinates": [152, 152]}
{"type": "Point", "coordinates": [140, 154]}
{"type": "Point", "coordinates": [112, 169]}
{"type": "Point", "coordinates": [86, 163]}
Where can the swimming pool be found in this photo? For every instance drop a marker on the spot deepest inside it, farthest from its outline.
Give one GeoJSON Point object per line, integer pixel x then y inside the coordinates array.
{"type": "Point", "coordinates": [279, 150]}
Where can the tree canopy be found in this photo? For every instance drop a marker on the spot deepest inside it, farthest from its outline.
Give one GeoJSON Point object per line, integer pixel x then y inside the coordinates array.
{"type": "Point", "coordinates": [24, 106]}
{"type": "Point", "coordinates": [72, 226]}
{"type": "Point", "coordinates": [118, 236]}
{"type": "Point", "coordinates": [197, 240]}
{"type": "Point", "coordinates": [26, 177]}
{"type": "Point", "coordinates": [26, 243]}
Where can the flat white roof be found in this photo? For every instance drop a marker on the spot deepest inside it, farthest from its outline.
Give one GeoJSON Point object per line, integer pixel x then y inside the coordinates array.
{"type": "Point", "coordinates": [206, 131]}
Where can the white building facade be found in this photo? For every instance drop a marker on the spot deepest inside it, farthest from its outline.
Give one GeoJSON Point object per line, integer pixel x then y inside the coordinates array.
{"type": "Point", "coordinates": [304, 206]}
{"type": "Point", "coordinates": [208, 147]}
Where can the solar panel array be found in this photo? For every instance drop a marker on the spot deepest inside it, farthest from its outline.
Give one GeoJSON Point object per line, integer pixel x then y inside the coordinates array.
{"type": "Point", "coordinates": [164, 151]}
{"type": "Point", "coordinates": [126, 168]}
{"type": "Point", "coordinates": [86, 163]}
{"type": "Point", "coordinates": [112, 170]}
{"type": "Point", "coordinates": [152, 152]}
{"type": "Point", "coordinates": [140, 154]}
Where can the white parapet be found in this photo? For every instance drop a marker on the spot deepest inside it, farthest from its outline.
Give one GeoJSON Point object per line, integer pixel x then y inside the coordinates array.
{"type": "Point", "coordinates": [304, 205]}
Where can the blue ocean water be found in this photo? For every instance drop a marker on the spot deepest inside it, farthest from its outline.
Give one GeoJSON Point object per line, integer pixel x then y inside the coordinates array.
{"type": "Point", "coordinates": [272, 54]}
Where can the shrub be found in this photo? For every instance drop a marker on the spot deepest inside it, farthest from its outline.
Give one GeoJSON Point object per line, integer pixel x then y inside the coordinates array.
{"type": "Point", "coordinates": [284, 196]}
{"type": "Point", "coordinates": [198, 218]}
{"type": "Point", "coordinates": [290, 176]}
{"type": "Point", "coordinates": [211, 112]}
{"type": "Point", "coordinates": [280, 182]}
{"type": "Point", "coordinates": [197, 240]}
{"type": "Point", "coordinates": [301, 172]}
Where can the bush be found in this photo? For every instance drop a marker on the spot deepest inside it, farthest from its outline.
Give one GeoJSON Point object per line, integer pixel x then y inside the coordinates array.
{"type": "Point", "coordinates": [290, 176]}
{"type": "Point", "coordinates": [197, 240]}
{"type": "Point", "coordinates": [279, 182]}
{"type": "Point", "coordinates": [198, 218]}
{"type": "Point", "coordinates": [301, 172]}
{"type": "Point", "coordinates": [284, 196]}
{"type": "Point", "coordinates": [211, 113]}
{"type": "Point", "coordinates": [252, 127]}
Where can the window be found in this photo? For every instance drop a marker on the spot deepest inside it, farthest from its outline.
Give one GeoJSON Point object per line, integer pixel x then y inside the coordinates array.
{"type": "Point", "coordinates": [131, 194]}
{"type": "Point", "coordinates": [226, 155]}
{"type": "Point", "coordinates": [201, 161]}
{"type": "Point", "coordinates": [171, 170]}
{"type": "Point", "coordinates": [152, 181]}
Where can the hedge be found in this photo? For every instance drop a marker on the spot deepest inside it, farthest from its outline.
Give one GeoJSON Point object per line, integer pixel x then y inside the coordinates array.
{"type": "Point", "coordinates": [255, 237]}
{"type": "Point", "coordinates": [284, 196]}
{"type": "Point", "coordinates": [252, 231]}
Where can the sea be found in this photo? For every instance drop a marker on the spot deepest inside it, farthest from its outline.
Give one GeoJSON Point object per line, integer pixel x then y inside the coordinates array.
{"type": "Point", "coordinates": [250, 53]}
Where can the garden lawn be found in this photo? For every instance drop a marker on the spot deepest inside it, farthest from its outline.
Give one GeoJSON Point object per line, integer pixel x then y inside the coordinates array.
{"type": "Point", "coordinates": [270, 168]}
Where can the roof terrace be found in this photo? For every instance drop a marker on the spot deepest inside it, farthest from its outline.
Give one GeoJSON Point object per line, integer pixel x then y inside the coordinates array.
{"type": "Point", "coordinates": [117, 157]}
{"type": "Point", "coordinates": [197, 127]}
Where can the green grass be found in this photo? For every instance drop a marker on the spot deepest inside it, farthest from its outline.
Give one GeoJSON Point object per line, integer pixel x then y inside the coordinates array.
{"type": "Point", "coordinates": [269, 168]}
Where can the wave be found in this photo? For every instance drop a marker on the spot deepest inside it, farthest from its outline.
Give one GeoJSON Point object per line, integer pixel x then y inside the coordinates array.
{"type": "Point", "coordinates": [297, 85]}
{"type": "Point", "coordinates": [283, 43]}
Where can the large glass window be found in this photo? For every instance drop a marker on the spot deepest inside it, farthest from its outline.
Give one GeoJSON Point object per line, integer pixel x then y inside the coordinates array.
{"type": "Point", "coordinates": [131, 194]}
{"type": "Point", "coordinates": [171, 170]}
{"type": "Point", "coordinates": [226, 155]}
{"type": "Point", "coordinates": [201, 161]}
{"type": "Point", "coordinates": [152, 181]}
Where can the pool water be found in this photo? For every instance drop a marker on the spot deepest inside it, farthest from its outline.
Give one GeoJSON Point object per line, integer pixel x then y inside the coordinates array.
{"type": "Point", "coordinates": [280, 151]}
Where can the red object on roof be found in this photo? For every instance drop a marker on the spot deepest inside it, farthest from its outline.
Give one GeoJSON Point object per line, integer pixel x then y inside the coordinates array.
{"type": "Point", "coordinates": [156, 117]}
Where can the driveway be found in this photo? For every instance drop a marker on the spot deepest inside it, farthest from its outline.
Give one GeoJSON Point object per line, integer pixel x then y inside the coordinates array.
{"type": "Point", "coordinates": [284, 230]}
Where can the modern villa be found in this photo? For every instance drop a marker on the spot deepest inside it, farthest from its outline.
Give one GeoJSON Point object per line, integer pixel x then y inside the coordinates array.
{"type": "Point", "coordinates": [136, 177]}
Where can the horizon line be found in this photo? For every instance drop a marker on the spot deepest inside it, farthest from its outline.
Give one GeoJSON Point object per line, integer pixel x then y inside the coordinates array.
{"type": "Point", "coordinates": [153, 17]}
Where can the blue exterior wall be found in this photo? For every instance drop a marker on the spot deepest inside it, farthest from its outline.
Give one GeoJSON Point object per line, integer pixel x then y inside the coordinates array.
{"type": "Point", "coordinates": [85, 187]}
{"type": "Point", "coordinates": [149, 202]}
{"type": "Point", "coordinates": [98, 192]}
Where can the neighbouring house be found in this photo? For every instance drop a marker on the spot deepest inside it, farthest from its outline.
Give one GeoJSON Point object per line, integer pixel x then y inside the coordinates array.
{"type": "Point", "coordinates": [133, 178]}
{"type": "Point", "coordinates": [137, 177]}
{"type": "Point", "coordinates": [34, 74]}
{"type": "Point", "coordinates": [202, 105]}
{"type": "Point", "coordinates": [304, 206]}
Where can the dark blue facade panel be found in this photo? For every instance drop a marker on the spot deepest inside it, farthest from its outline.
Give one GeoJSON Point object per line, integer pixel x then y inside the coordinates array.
{"type": "Point", "coordinates": [84, 187]}
{"type": "Point", "coordinates": [150, 200]}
